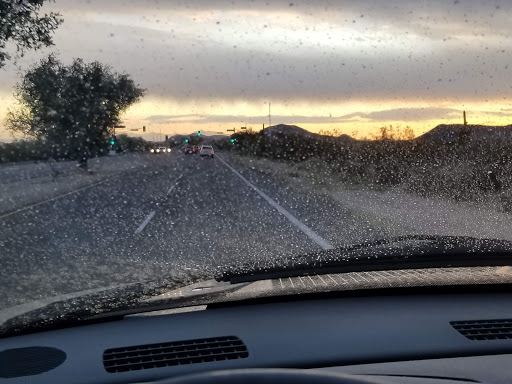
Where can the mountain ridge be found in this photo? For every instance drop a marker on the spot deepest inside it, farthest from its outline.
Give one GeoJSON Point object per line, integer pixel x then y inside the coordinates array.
{"type": "Point", "coordinates": [288, 129]}
{"type": "Point", "coordinates": [445, 133]}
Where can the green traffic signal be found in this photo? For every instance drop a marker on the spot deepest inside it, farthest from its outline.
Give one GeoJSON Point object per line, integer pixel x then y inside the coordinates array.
{"type": "Point", "coordinates": [186, 140]}
{"type": "Point", "coordinates": [198, 133]}
{"type": "Point", "coordinates": [232, 140]}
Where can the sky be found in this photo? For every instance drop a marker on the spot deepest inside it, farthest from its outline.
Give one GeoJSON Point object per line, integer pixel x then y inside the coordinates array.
{"type": "Point", "coordinates": [350, 66]}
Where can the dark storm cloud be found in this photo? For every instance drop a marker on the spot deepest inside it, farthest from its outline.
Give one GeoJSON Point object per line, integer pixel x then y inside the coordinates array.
{"type": "Point", "coordinates": [404, 114]}
{"type": "Point", "coordinates": [238, 119]}
{"type": "Point", "coordinates": [188, 68]}
{"type": "Point", "coordinates": [436, 49]}
{"type": "Point", "coordinates": [397, 114]}
{"type": "Point", "coordinates": [166, 118]}
{"type": "Point", "coordinates": [430, 18]}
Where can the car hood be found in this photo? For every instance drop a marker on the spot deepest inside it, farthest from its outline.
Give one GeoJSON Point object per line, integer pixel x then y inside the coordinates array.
{"type": "Point", "coordinates": [386, 265]}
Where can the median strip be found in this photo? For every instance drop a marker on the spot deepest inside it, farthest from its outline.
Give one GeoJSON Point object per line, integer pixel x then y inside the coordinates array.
{"type": "Point", "coordinates": [171, 189]}
{"type": "Point", "coordinates": [56, 198]}
{"type": "Point", "coordinates": [324, 244]}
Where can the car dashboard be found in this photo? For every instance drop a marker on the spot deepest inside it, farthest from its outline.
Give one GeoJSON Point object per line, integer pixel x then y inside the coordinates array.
{"type": "Point", "coordinates": [405, 337]}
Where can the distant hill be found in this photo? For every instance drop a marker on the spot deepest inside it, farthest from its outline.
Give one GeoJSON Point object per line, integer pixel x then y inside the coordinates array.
{"type": "Point", "coordinates": [286, 129]}
{"type": "Point", "coordinates": [344, 138]}
{"type": "Point", "coordinates": [283, 129]}
{"type": "Point", "coordinates": [446, 133]}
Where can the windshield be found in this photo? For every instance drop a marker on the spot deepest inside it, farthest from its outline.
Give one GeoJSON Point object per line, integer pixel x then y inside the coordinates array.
{"type": "Point", "coordinates": [334, 123]}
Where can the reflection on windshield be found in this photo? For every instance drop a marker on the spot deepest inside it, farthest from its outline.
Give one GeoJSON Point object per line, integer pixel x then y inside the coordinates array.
{"type": "Point", "coordinates": [173, 142]}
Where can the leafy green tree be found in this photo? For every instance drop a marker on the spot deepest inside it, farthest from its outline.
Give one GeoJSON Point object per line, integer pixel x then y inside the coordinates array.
{"type": "Point", "coordinates": [132, 144]}
{"type": "Point", "coordinates": [74, 107]}
{"type": "Point", "coordinates": [21, 24]}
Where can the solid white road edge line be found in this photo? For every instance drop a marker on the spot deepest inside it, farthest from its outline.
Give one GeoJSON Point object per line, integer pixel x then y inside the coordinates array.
{"type": "Point", "coordinates": [145, 222]}
{"type": "Point", "coordinates": [324, 244]}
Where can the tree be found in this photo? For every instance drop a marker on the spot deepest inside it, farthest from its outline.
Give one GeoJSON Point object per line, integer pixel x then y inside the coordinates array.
{"type": "Point", "coordinates": [132, 144]}
{"type": "Point", "coordinates": [21, 24]}
{"type": "Point", "coordinates": [74, 107]}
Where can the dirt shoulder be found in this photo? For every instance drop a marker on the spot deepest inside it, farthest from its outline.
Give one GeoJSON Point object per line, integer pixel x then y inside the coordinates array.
{"type": "Point", "coordinates": [395, 208]}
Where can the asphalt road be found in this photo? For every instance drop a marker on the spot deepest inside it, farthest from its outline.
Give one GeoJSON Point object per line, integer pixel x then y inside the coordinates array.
{"type": "Point", "coordinates": [180, 213]}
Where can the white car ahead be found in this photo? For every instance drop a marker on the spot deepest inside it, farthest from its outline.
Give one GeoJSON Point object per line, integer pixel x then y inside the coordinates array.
{"type": "Point", "coordinates": [206, 150]}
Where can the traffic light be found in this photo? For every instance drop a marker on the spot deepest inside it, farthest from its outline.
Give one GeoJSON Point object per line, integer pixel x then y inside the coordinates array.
{"type": "Point", "coordinates": [232, 140]}
{"type": "Point", "coordinates": [186, 140]}
{"type": "Point", "coordinates": [198, 133]}
{"type": "Point", "coordinates": [112, 140]}
{"type": "Point", "coordinates": [143, 128]}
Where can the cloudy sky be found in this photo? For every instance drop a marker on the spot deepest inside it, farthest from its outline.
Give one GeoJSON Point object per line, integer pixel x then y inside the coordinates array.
{"type": "Point", "coordinates": [323, 65]}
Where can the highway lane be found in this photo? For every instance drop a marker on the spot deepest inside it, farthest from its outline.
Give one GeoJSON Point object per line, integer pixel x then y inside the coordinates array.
{"type": "Point", "coordinates": [180, 213]}
{"type": "Point", "coordinates": [328, 218]}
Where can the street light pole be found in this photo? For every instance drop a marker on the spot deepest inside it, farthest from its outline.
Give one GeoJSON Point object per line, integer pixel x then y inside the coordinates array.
{"type": "Point", "coordinates": [269, 122]}
{"type": "Point", "coordinates": [269, 116]}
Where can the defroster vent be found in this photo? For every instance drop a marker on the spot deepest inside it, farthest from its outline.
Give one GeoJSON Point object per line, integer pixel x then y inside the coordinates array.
{"type": "Point", "coordinates": [160, 355]}
{"type": "Point", "coordinates": [484, 329]}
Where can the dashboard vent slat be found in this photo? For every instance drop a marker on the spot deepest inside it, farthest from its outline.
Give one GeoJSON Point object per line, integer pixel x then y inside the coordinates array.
{"type": "Point", "coordinates": [498, 329]}
{"type": "Point", "coordinates": [138, 357]}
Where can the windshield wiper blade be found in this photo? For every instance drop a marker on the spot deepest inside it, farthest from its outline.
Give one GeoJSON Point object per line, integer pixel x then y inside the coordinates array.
{"type": "Point", "coordinates": [107, 305]}
{"type": "Point", "coordinates": [402, 252]}
{"type": "Point", "coordinates": [61, 313]}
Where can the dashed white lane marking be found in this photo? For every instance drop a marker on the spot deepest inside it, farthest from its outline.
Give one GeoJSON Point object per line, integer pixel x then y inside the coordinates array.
{"type": "Point", "coordinates": [145, 222]}
{"type": "Point", "coordinates": [324, 244]}
{"type": "Point", "coordinates": [171, 189]}
{"type": "Point", "coordinates": [150, 216]}
{"type": "Point", "coordinates": [175, 184]}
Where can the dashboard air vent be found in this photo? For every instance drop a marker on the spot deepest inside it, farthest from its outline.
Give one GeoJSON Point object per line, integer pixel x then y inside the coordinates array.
{"type": "Point", "coordinates": [484, 329]}
{"type": "Point", "coordinates": [160, 355]}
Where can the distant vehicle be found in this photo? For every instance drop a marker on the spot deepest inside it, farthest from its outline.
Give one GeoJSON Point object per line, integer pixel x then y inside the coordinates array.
{"type": "Point", "coordinates": [189, 149]}
{"type": "Point", "coordinates": [159, 150]}
{"type": "Point", "coordinates": [206, 150]}
{"type": "Point", "coordinates": [197, 148]}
